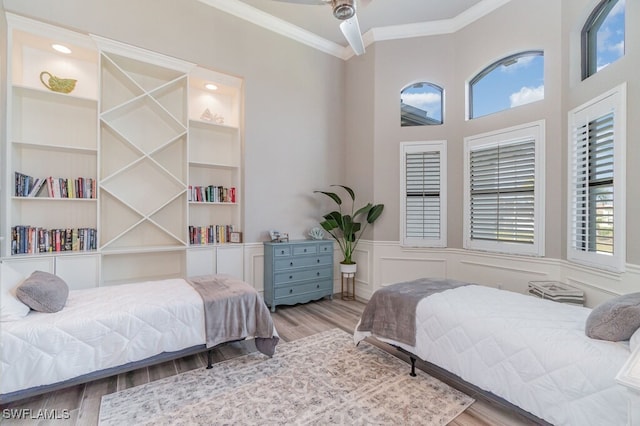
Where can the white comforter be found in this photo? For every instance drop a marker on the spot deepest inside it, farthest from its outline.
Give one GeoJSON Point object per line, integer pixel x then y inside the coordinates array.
{"type": "Point", "coordinates": [100, 328]}
{"type": "Point", "coordinates": [532, 352]}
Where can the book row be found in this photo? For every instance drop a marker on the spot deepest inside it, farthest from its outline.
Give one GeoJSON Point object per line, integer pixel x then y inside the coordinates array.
{"type": "Point", "coordinates": [212, 234]}
{"type": "Point", "coordinates": [32, 240]}
{"type": "Point", "coordinates": [28, 186]}
{"type": "Point", "coordinates": [212, 194]}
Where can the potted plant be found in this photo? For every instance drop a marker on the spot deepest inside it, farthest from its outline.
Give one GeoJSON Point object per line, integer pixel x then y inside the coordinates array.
{"type": "Point", "coordinates": [347, 228]}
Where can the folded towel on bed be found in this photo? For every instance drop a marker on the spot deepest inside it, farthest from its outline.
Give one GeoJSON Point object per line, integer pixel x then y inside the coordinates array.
{"type": "Point", "coordinates": [391, 311]}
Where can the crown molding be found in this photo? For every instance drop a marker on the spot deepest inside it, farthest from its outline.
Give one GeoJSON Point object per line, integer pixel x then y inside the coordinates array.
{"type": "Point", "coordinates": [393, 32]}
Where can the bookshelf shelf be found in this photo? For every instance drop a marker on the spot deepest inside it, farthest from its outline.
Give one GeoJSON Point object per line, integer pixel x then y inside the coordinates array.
{"type": "Point", "coordinates": [55, 199]}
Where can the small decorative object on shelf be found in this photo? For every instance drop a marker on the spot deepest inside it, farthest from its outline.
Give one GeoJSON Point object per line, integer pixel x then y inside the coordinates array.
{"type": "Point", "coordinates": [57, 84]}
{"type": "Point", "coordinates": [206, 115]}
{"type": "Point", "coordinates": [278, 237]}
{"type": "Point", "coordinates": [218, 119]}
{"type": "Point", "coordinates": [236, 237]}
{"type": "Point", "coordinates": [316, 233]}
{"type": "Point", "coordinates": [556, 291]}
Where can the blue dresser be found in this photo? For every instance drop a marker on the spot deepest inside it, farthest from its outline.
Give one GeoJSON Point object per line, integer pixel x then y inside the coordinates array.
{"type": "Point", "coordinates": [297, 271]}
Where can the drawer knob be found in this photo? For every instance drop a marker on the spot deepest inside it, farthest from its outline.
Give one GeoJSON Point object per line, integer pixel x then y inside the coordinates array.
{"type": "Point", "coordinates": [290, 263]}
{"type": "Point", "coordinates": [318, 273]}
{"type": "Point", "coordinates": [290, 290]}
{"type": "Point", "coordinates": [317, 285]}
{"type": "Point", "coordinates": [282, 252]}
{"type": "Point", "coordinates": [305, 250]}
{"type": "Point", "coordinates": [318, 260]}
{"type": "Point", "coordinates": [290, 277]}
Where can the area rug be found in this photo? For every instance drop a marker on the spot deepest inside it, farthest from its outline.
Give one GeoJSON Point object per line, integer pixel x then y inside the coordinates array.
{"type": "Point", "coordinates": [317, 380]}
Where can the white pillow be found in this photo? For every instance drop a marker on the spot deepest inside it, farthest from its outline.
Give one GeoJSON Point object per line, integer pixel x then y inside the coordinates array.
{"type": "Point", "coordinates": [11, 309]}
{"type": "Point", "coordinates": [634, 342]}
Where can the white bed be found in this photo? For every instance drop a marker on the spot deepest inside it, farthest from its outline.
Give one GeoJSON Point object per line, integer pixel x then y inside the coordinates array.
{"type": "Point", "coordinates": [531, 352]}
{"type": "Point", "coordinates": [99, 329]}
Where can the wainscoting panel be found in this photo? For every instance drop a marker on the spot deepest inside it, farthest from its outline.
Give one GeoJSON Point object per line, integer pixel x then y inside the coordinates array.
{"type": "Point", "coordinates": [383, 263]}
{"type": "Point", "coordinates": [254, 266]}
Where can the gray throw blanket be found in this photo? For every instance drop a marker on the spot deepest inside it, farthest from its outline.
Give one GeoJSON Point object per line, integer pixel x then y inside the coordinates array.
{"type": "Point", "coordinates": [391, 312]}
{"type": "Point", "coordinates": [233, 310]}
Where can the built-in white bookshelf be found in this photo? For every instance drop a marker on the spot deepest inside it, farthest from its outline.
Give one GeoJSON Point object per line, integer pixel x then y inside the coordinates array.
{"type": "Point", "coordinates": [145, 128]}
{"type": "Point", "coordinates": [50, 135]}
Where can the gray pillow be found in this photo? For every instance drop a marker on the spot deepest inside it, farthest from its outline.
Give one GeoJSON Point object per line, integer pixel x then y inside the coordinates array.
{"type": "Point", "coordinates": [616, 319]}
{"type": "Point", "coordinates": [43, 292]}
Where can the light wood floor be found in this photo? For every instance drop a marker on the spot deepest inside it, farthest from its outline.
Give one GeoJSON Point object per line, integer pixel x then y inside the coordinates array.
{"type": "Point", "coordinates": [292, 322]}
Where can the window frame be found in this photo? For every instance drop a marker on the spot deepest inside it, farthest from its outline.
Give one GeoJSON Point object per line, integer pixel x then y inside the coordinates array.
{"type": "Point", "coordinates": [488, 70]}
{"type": "Point", "coordinates": [589, 37]}
{"type": "Point", "coordinates": [612, 101]}
{"type": "Point", "coordinates": [422, 147]}
{"type": "Point", "coordinates": [516, 134]}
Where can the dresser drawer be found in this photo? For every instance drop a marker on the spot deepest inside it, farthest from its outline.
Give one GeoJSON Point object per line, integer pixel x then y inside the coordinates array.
{"type": "Point", "coordinates": [305, 249]}
{"type": "Point", "coordinates": [325, 248]}
{"type": "Point", "coordinates": [297, 290]}
{"type": "Point", "coordinates": [301, 262]}
{"type": "Point", "coordinates": [284, 278]}
{"type": "Point", "coordinates": [282, 251]}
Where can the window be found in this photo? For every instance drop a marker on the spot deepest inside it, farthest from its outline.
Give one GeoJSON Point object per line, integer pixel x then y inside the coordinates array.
{"type": "Point", "coordinates": [423, 204]}
{"type": "Point", "coordinates": [597, 182]}
{"type": "Point", "coordinates": [510, 82]}
{"type": "Point", "coordinates": [504, 175]}
{"type": "Point", "coordinates": [603, 36]}
{"type": "Point", "coordinates": [421, 105]}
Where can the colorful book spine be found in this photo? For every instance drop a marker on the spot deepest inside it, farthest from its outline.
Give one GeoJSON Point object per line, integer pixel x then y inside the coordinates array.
{"type": "Point", "coordinates": [32, 240]}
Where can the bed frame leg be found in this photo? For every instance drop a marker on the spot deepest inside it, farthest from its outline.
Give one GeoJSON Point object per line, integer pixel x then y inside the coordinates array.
{"type": "Point", "coordinates": [413, 366]}
{"type": "Point", "coordinates": [209, 359]}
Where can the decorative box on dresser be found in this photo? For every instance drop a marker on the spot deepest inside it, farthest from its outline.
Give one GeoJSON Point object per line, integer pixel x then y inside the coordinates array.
{"type": "Point", "coordinates": [297, 272]}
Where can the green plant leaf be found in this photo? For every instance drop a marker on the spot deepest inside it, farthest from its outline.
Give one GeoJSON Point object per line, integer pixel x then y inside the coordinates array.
{"type": "Point", "coordinates": [349, 190]}
{"type": "Point", "coordinates": [336, 217]}
{"type": "Point", "coordinates": [364, 209]}
{"type": "Point", "coordinates": [375, 213]}
{"type": "Point", "coordinates": [329, 225]}
{"type": "Point", "coordinates": [332, 195]}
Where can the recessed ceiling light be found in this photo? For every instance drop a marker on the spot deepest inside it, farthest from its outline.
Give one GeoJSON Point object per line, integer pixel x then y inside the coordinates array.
{"type": "Point", "coordinates": [211, 86]}
{"type": "Point", "coordinates": [60, 48]}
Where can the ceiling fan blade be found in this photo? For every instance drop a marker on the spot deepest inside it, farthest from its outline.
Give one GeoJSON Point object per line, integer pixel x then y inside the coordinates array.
{"type": "Point", "coordinates": [351, 30]}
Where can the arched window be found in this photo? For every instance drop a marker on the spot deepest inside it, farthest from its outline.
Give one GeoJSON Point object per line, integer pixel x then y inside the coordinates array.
{"type": "Point", "coordinates": [421, 105]}
{"type": "Point", "coordinates": [603, 36]}
{"type": "Point", "coordinates": [512, 81]}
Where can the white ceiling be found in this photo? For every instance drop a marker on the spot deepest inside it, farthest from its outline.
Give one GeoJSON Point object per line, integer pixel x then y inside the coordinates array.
{"type": "Point", "coordinates": [379, 19]}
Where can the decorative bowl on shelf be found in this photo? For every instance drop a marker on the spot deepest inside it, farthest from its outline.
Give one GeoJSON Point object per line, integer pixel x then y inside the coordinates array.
{"type": "Point", "coordinates": [57, 84]}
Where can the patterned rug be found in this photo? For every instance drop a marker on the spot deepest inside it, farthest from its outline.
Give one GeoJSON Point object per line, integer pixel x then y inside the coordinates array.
{"type": "Point", "coordinates": [318, 380]}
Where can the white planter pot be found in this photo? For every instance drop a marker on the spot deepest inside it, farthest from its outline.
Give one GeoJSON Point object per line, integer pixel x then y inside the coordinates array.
{"type": "Point", "coordinates": [350, 268]}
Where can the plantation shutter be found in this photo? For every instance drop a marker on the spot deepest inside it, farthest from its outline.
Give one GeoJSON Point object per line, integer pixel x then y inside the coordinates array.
{"type": "Point", "coordinates": [422, 205]}
{"type": "Point", "coordinates": [592, 185]}
{"type": "Point", "coordinates": [502, 192]}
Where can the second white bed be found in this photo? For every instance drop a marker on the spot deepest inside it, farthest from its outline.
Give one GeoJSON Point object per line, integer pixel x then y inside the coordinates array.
{"type": "Point", "coordinates": [532, 352]}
